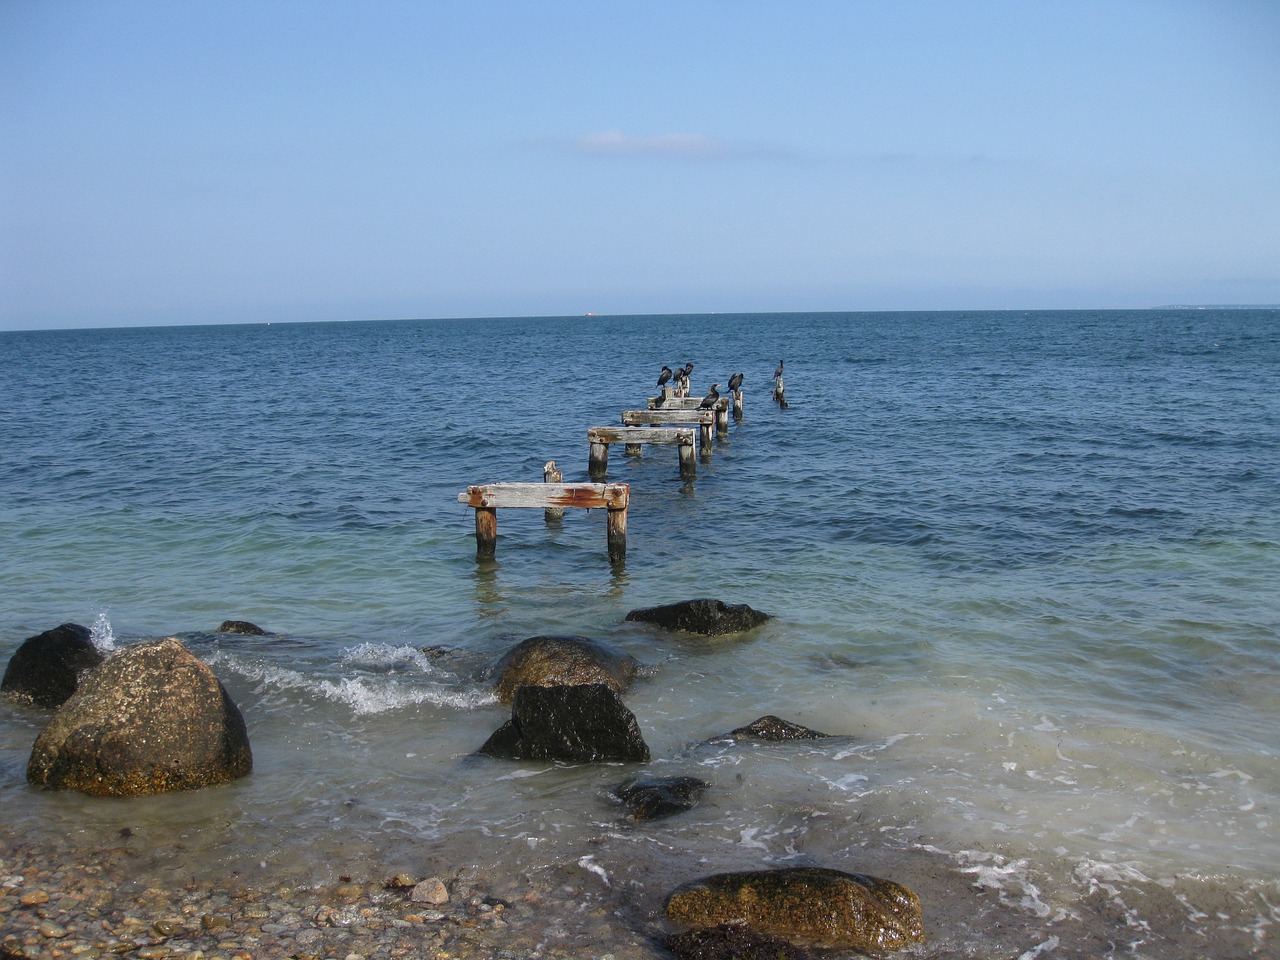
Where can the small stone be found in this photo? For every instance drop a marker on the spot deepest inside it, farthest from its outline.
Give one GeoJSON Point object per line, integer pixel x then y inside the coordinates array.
{"type": "Point", "coordinates": [33, 897]}
{"type": "Point", "coordinates": [152, 953]}
{"type": "Point", "coordinates": [168, 928]}
{"type": "Point", "coordinates": [51, 930]}
{"type": "Point", "coordinates": [213, 922]}
{"type": "Point", "coordinates": [400, 881]}
{"type": "Point", "coordinates": [432, 891]}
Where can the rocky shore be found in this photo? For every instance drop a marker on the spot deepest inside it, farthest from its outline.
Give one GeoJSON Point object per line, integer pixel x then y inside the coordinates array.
{"type": "Point", "coordinates": [53, 908]}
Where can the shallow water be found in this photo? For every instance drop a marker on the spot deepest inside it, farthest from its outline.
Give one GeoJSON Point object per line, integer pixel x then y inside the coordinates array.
{"type": "Point", "coordinates": [1024, 565]}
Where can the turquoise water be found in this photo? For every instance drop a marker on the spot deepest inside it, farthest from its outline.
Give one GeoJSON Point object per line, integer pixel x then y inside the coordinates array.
{"type": "Point", "coordinates": [1027, 562]}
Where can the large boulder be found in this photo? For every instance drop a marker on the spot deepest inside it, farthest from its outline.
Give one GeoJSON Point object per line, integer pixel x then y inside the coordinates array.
{"type": "Point", "coordinates": [585, 723]}
{"type": "Point", "coordinates": [151, 718]}
{"type": "Point", "coordinates": [47, 668]}
{"type": "Point", "coordinates": [810, 905]}
{"type": "Point", "coordinates": [711, 618]}
{"type": "Point", "coordinates": [561, 661]}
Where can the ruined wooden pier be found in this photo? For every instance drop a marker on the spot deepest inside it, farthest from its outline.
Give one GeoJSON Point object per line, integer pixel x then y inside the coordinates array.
{"type": "Point", "coordinates": [634, 437]}
{"type": "Point", "coordinates": [703, 419]}
{"type": "Point", "coordinates": [487, 498]}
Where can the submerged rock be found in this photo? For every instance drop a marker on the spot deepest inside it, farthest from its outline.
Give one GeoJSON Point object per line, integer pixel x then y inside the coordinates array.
{"type": "Point", "coordinates": [561, 661]}
{"type": "Point", "coordinates": [710, 618]}
{"type": "Point", "coordinates": [584, 723]}
{"type": "Point", "coordinates": [244, 627]}
{"type": "Point", "coordinates": [811, 905]}
{"type": "Point", "coordinates": [150, 719]}
{"type": "Point", "coordinates": [775, 730]}
{"type": "Point", "coordinates": [732, 941]}
{"type": "Point", "coordinates": [48, 667]}
{"type": "Point", "coordinates": [652, 798]}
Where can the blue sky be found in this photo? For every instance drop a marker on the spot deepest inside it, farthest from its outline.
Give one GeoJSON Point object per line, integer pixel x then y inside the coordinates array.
{"type": "Point", "coordinates": [193, 162]}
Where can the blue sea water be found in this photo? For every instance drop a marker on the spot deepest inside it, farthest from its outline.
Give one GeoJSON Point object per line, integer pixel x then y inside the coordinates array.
{"type": "Point", "coordinates": [1026, 564]}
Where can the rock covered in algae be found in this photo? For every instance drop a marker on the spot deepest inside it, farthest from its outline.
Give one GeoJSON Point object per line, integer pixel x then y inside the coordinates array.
{"type": "Point", "coordinates": [150, 719]}
{"type": "Point", "coordinates": [561, 661]}
{"type": "Point", "coordinates": [47, 668]}
{"type": "Point", "coordinates": [711, 618]}
{"type": "Point", "coordinates": [774, 730]}
{"type": "Point", "coordinates": [814, 905]}
{"type": "Point", "coordinates": [654, 798]}
{"type": "Point", "coordinates": [582, 723]}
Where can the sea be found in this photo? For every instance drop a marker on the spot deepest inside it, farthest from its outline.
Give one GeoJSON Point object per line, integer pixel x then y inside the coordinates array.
{"type": "Point", "coordinates": [1023, 566]}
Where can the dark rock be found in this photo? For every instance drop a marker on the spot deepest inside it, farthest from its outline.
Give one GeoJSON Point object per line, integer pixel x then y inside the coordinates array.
{"type": "Point", "coordinates": [732, 941]}
{"type": "Point", "coordinates": [775, 730]}
{"type": "Point", "coordinates": [809, 905]}
{"type": "Point", "coordinates": [46, 669]}
{"type": "Point", "coordinates": [151, 718]}
{"type": "Point", "coordinates": [561, 661]}
{"type": "Point", "coordinates": [585, 723]}
{"type": "Point", "coordinates": [652, 798]}
{"type": "Point", "coordinates": [711, 618]}
{"type": "Point", "coordinates": [244, 627]}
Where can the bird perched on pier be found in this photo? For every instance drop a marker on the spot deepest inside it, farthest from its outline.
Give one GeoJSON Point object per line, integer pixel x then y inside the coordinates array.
{"type": "Point", "coordinates": [777, 373]}
{"type": "Point", "coordinates": [710, 399]}
{"type": "Point", "coordinates": [665, 375]}
{"type": "Point", "coordinates": [735, 382]}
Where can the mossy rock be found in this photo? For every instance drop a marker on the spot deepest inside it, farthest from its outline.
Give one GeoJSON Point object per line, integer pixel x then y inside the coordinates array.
{"type": "Point", "coordinates": [808, 905]}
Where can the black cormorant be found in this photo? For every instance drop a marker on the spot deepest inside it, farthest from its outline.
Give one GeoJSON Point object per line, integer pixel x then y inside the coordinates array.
{"type": "Point", "coordinates": [710, 399]}
{"type": "Point", "coordinates": [735, 382]}
{"type": "Point", "coordinates": [665, 375]}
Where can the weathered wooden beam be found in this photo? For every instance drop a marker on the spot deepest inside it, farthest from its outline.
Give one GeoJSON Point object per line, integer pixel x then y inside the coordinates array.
{"type": "Point", "coordinates": [636, 418]}
{"type": "Point", "coordinates": [639, 435]}
{"type": "Point", "coordinates": [611, 496]}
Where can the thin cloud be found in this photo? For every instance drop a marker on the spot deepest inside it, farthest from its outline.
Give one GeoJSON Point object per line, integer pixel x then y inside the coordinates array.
{"type": "Point", "coordinates": [617, 143]}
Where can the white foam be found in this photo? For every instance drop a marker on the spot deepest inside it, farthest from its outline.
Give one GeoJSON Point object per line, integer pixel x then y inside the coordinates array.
{"type": "Point", "coordinates": [100, 634]}
{"type": "Point", "coordinates": [383, 656]}
{"type": "Point", "coordinates": [363, 695]}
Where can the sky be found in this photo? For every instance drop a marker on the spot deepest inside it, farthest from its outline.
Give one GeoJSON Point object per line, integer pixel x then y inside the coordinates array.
{"type": "Point", "coordinates": [173, 162]}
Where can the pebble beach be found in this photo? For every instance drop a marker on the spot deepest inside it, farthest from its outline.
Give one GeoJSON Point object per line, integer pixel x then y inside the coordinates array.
{"type": "Point", "coordinates": [50, 909]}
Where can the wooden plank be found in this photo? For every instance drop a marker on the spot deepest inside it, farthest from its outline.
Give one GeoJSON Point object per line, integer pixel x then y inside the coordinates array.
{"type": "Point", "coordinates": [635, 418]}
{"type": "Point", "coordinates": [610, 496]}
{"type": "Point", "coordinates": [683, 403]}
{"type": "Point", "coordinates": [680, 435]}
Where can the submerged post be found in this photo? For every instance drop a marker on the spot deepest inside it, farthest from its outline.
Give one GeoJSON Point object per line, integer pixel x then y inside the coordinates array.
{"type": "Point", "coordinates": [486, 532]}
{"type": "Point", "coordinates": [551, 474]}
{"type": "Point", "coordinates": [616, 533]}
{"type": "Point", "coordinates": [598, 460]}
{"type": "Point", "coordinates": [722, 415]}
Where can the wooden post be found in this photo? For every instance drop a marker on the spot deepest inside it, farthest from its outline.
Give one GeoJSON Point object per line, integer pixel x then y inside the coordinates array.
{"type": "Point", "coordinates": [486, 532]}
{"type": "Point", "coordinates": [616, 531]}
{"type": "Point", "coordinates": [737, 404]}
{"type": "Point", "coordinates": [598, 460]}
{"type": "Point", "coordinates": [552, 474]}
{"type": "Point", "coordinates": [778, 394]}
{"type": "Point", "coordinates": [688, 465]}
{"type": "Point", "coordinates": [632, 449]}
{"type": "Point", "coordinates": [705, 431]}
{"type": "Point", "coordinates": [722, 416]}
